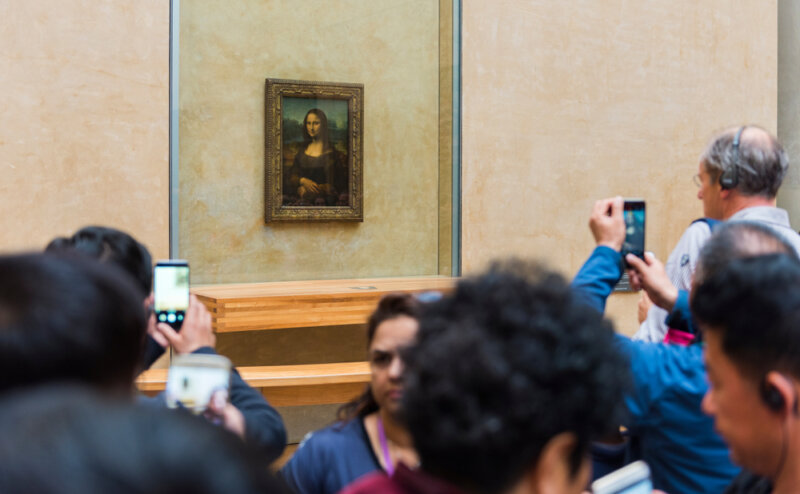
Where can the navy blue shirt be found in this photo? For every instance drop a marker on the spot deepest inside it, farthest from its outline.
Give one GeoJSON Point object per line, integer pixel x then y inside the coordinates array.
{"type": "Point", "coordinates": [330, 459]}
{"type": "Point", "coordinates": [676, 438]}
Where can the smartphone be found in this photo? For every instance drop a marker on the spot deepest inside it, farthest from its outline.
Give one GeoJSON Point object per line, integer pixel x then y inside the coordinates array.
{"type": "Point", "coordinates": [630, 479]}
{"type": "Point", "coordinates": [634, 213]}
{"type": "Point", "coordinates": [171, 291]}
{"type": "Point", "coordinates": [194, 379]}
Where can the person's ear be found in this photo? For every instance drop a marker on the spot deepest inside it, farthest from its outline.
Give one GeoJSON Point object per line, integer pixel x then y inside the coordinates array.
{"type": "Point", "coordinates": [724, 193]}
{"type": "Point", "coordinates": [552, 474]}
{"type": "Point", "coordinates": [778, 393]}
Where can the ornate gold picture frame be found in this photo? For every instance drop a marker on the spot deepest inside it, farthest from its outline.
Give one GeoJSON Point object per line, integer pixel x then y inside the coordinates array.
{"type": "Point", "coordinates": [313, 155]}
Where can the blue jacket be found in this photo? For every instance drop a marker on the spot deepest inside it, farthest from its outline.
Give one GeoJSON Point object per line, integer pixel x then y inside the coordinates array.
{"type": "Point", "coordinates": [676, 438]}
{"type": "Point", "coordinates": [264, 429]}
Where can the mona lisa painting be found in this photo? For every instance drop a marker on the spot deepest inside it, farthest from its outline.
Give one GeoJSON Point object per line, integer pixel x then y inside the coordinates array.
{"type": "Point", "coordinates": [313, 155]}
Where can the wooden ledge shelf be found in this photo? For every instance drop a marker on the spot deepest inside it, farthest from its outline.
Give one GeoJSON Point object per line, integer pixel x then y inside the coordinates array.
{"type": "Point", "coordinates": [303, 304]}
{"type": "Point", "coordinates": [288, 385]}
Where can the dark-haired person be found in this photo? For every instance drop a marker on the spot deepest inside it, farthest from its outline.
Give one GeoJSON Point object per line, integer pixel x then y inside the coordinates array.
{"type": "Point", "coordinates": [749, 313]}
{"type": "Point", "coordinates": [68, 318]}
{"type": "Point", "coordinates": [738, 178]}
{"type": "Point", "coordinates": [248, 414]}
{"type": "Point", "coordinates": [511, 378]}
{"type": "Point", "coordinates": [676, 439]}
{"type": "Point", "coordinates": [369, 435]}
{"type": "Point", "coordinates": [116, 247]}
{"type": "Point", "coordinates": [318, 175]}
{"type": "Point", "coordinates": [66, 439]}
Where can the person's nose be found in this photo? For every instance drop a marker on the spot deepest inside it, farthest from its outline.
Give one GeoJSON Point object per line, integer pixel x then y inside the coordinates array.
{"type": "Point", "coordinates": [700, 194]}
{"type": "Point", "coordinates": [396, 368]}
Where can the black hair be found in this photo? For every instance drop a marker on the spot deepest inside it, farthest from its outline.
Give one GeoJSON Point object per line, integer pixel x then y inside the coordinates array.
{"type": "Point", "coordinates": [110, 245]}
{"type": "Point", "coordinates": [68, 317]}
{"type": "Point", "coordinates": [754, 305]}
{"type": "Point", "coordinates": [69, 440]}
{"type": "Point", "coordinates": [390, 306]}
{"type": "Point", "coordinates": [508, 361]}
{"type": "Point", "coordinates": [735, 240]}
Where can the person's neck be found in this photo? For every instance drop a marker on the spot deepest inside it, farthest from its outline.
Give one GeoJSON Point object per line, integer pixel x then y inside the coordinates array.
{"type": "Point", "coordinates": [395, 432]}
{"type": "Point", "coordinates": [737, 202]}
{"type": "Point", "coordinates": [787, 478]}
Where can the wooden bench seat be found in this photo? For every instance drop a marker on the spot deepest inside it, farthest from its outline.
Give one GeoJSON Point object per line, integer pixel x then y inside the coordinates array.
{"type": "Point", "coordinates": [303, 304]}
{"type": "Point", "coordinates": [288, 385]}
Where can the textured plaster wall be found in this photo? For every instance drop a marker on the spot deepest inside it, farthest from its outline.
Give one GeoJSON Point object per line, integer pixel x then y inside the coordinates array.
{"type": "Point", "coordinates": [566, 102]}
{"type": "Point", "coordinates": [84, 127]}
{"type": "Point", "coordinates": [789, 103]}
{"type": "Point", "coordinates": [227, 50]}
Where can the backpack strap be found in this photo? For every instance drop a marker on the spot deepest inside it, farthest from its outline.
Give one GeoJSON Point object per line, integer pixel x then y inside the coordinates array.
{"type": "Point", "coordinates": [712, 223]}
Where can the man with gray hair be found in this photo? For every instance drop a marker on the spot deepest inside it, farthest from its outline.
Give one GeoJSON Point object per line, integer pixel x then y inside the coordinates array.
{"type": "Point", "coordinates": [738, 178]}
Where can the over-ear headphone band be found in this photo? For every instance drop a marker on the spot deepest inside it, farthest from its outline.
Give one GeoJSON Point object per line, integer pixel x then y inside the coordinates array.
{"type": "Point", "coordinates": [729, 178]}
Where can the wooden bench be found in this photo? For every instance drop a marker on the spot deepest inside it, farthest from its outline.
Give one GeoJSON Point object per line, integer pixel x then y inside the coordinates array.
{"type": "Point", "coordinates": [288, 385]}
{"type": "Point", "coordinates": [303, 304]}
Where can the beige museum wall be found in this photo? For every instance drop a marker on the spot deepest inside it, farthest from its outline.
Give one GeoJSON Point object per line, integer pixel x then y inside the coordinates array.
{"type": "Point", "coordinates": [567, 102]}
{"type": "Point", "coordinates": [84, 134]}
{"type": "Point", "coordinates": [789, 108]}
{"type": "Point", "coordinates": [227, 50]}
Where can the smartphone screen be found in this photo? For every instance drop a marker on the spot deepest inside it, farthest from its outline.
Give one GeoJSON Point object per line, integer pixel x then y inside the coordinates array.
{"type": "Point", "coordinates": [634, 212]}
{"type": "Point", "coordinates": [171, 291]}
{"type": "Point", "coordinates": [194, 379]}
{"type": "Point", "coordinates": [630, 479]}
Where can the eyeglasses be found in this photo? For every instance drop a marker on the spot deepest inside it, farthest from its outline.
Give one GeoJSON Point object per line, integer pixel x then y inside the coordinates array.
{"type": "Point", "coordinates": [697, 180]}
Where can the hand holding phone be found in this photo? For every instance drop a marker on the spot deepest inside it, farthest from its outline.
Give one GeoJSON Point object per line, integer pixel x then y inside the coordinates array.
{"type": "Point", "coordinates": [195, 379]}
{"type": "Point", "coordinates": [171, 291]}
{"type": "Point", "coordinates": [607, 223]}
{"type": "Point", "coordinates": [196, 331]}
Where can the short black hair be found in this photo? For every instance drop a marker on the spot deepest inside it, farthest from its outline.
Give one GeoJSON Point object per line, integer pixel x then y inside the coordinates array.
{"type": "Point", "coordinates": [71, 440]}
{"type": "Point", "coordinates": [737, 239]}
{"type": "Point", "coordinates": [754, 305]}
{"type": "Point", "coordinates": [502, 365]}
{"type": "Point", "coordinates": [68, 317]}
{"type": "Point", "coordinates": [113, 246]}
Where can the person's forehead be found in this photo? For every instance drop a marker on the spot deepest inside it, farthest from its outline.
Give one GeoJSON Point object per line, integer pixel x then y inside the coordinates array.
{"type": "Point", "coordinates": [718, 362]}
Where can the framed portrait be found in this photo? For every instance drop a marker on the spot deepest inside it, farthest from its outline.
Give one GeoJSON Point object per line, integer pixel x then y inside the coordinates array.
{"type": "Point", "coordinates": [313, 155]}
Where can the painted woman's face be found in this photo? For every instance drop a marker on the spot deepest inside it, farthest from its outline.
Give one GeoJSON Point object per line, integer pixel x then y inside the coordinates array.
{"type": "Point", "coordinates": [312, 125]}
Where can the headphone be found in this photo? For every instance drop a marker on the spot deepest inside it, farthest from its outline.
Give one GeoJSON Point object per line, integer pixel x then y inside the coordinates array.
{"type": "Point", "coordinates": [773, 398]}
{"type": "Point", "coordinates": [729, 178]}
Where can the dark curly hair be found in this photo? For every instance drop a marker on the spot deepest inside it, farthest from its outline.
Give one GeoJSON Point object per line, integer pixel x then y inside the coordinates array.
{"type": "Point", "coordinates": [508, 361]}
{"type": "Point", "coordinates": [390, 306]}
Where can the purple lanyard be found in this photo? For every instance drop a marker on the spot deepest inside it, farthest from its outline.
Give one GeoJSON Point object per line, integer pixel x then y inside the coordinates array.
{"type": "Point", "coordinates": [384, 447]}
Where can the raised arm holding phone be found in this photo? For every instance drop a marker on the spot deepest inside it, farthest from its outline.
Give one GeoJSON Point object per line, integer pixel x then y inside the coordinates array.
{"type": "Point", "coordinates": [248, 414]}
{"type": "Point", "coordinates": [676, 439]}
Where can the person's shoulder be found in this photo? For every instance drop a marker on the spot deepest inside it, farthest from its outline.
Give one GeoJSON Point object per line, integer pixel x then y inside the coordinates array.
{"type": "Point", "coordinates": [664, 358]}
{"type": "Point", "coordinates": [699, 228]}
{"type": "Point", "coordinates": [373, 483]}
{"type": "Point", "coordinates": [695, 235]}
{"type": "Point", "coordinates": [335, 436]}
